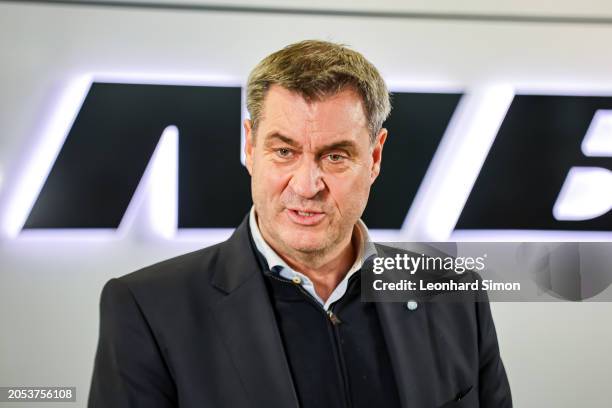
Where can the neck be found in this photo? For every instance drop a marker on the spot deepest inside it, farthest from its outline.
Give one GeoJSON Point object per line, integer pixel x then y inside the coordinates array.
{"type": "Point", "coordinates": [327, 271]}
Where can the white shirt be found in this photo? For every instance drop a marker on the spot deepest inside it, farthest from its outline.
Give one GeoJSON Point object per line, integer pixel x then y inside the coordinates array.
{"type": "Point", "coordinates": [277, 264]}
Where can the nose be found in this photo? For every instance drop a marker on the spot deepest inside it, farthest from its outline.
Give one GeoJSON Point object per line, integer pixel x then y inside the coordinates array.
{"type": "Point", "coordinates": [306, 180]}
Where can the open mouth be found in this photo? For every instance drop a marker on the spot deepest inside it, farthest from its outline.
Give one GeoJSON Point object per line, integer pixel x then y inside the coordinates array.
{"type": "Point", "coordinates": [303, 217]}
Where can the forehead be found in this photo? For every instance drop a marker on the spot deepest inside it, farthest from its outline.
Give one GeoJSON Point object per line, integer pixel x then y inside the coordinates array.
{"type": "Point", "coordinates": [338, 116]}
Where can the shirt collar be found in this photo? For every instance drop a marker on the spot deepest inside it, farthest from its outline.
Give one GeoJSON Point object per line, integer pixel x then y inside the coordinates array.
{"type": "Point", "coordinates": [276, 264]}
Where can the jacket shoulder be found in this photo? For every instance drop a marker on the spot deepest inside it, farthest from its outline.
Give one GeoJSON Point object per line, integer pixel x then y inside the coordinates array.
{"type": "Point", "coordinates": [174, 276]}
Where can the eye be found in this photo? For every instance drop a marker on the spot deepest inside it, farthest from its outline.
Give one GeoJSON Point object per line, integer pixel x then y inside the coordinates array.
{"type": "Point", "coordinates": [335, 158]}
{"type": "Point", "coordinates": [283, 152]}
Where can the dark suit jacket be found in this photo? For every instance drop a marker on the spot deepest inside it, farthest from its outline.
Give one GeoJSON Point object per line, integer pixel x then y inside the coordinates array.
{"type": "Point", "coordinates": [199, 331]}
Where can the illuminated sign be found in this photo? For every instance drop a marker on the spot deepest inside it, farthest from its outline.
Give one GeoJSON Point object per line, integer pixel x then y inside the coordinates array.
{"type": "Point", "coordinates": [587, 191]}
{"type": "Point", "coordinates": [487, 160]}
{"type": "Point", "coordinates": [542, 173]}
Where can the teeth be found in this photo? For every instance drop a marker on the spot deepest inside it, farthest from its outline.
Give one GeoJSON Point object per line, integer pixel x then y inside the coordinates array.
{"type": "Point", "coordinates": [305, 214]}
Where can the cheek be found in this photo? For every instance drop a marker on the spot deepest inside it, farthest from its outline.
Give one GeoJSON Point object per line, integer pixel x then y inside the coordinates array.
{"type": "Point", "coordinates": [350, 193]}
{"type": "Point", "coordinates": [268, 184]}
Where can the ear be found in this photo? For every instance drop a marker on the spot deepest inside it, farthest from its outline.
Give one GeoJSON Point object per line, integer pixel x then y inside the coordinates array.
{"type": "Point", "coordinates": [377, 150]}
{"type": "Point", "coordinates": [248, 145]}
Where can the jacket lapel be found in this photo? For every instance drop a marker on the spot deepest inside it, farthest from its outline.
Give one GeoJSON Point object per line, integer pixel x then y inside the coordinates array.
{"type": "Point", "coordinates": [246, 321]}
{"type": "Point", "coordinates": [414, 362]}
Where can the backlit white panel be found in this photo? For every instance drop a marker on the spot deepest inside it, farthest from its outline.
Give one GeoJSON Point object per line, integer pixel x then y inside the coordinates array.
{"type": "Point", "coordinates": [586, 194]}
{"type": "Point", "coordinates": [598, 139]}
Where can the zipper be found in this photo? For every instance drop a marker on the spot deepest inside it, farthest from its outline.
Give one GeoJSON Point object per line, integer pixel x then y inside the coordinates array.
{"type": "Point", "coordinates": [335, 334]}
{"type": "Point", "coordinates": [334, 321]}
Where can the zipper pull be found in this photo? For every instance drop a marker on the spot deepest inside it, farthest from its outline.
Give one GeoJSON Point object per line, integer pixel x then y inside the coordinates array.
{"type": "Point", "coordinates": [333, 318]}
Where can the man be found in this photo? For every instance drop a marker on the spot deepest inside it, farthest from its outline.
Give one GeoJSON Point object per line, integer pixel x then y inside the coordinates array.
{"type": "Point", "coordinates": [272, 317]}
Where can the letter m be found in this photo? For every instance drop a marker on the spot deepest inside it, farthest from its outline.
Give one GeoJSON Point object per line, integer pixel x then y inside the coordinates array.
{"type": "Point", "coordinates": [113, 139]}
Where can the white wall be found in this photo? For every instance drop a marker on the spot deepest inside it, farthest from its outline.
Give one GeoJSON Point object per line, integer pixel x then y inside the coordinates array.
{"type": "Point", "coordinates": [548, 8]}
{"type": "Point", "coordinates": [557, 355]}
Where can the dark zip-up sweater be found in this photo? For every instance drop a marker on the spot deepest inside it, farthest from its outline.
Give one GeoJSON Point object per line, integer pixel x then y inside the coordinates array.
{"type": "Point", "coordinates": [338, 358]}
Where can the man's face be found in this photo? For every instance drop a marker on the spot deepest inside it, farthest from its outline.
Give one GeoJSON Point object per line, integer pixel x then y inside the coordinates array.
{"type": "Point", "coordinates": [311, 165]}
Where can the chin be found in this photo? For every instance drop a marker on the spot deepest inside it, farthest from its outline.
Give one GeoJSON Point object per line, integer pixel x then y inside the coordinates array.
{"type": "Point", "coordinates": [306, 243]}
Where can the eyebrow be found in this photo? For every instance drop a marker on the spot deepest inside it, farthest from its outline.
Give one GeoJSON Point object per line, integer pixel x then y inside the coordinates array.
{"type": "Point", "coordinates": [341, 145]}
{"type": "Point", "coordinates": [282, 138]}
{"type": "Point", "coordinates": [347, 145]}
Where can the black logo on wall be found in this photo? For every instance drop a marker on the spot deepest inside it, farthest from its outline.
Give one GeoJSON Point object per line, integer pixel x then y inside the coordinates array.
{"type": "Point", "coordinates": [119, 126]}
{"type": "Point", "coordinates": [112, 140]}
{"type": "Point", "coordinates": [539, 142]}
